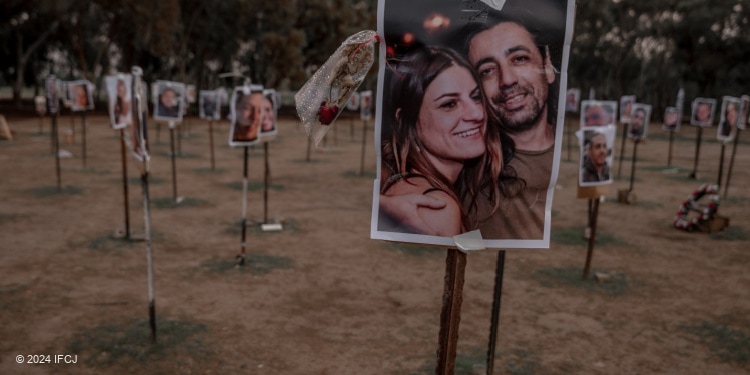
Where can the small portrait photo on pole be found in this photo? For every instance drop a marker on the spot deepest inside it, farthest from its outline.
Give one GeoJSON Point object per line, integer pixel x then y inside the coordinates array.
{"type": "Point", "coordinates": [40, 105]}
{"type": "Point", "coordinates": [120, 100]}
{"type": "Point", "coordinates": [703, 112]}
{"type": "Point", "coordinates": [626, 107]}
{"type": "Point", "coordinates": [209, 106]}
{"type": "Point", "coordinates": [639, 120]}
{"type": "Point", "coordinates": [353, 103]}
{"type": "Point", "coordinates": [246, 113]}
{"type": "Point", "coordinates": [596, 156]}
{"type": "Point", "coordinates": [671, 120]}
{"type": "Point", "coordinates": [80, 95]}
{"type": "Point", "coordinates": [190, 93]}
{"type": "Point", "coordinates": [730, 115]}
{"type": "Point", "coordinates": [168, 101]}
{"type": "Point", "coordinates": [268, 110]}
{"type": "Point", "coordinates": [52, 86]}
{"type": "Point", "coordinates": [598, 113]}
{"type": "Point", "coordinates": [744, 112]}
{"type": "Point", "coordinates": [571, 100]}
{"type": "Point", "coordinates": [365, 105]}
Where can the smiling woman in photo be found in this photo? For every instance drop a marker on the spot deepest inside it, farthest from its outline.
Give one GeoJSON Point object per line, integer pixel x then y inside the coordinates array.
{"type": "Point", "coordinates": [439, 145]}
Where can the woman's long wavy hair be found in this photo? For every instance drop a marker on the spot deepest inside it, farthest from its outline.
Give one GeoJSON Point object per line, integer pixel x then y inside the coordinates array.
{"type": "Point", "coordinates": [402, 152]}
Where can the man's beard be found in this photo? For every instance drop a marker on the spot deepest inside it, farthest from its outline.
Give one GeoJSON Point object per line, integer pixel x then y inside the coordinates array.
{"type": "Point", "coordinates": [520, 120]}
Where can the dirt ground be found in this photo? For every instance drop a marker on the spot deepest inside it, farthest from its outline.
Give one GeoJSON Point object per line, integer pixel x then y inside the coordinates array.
{"type": "Point", "coordinates": [319, 296]}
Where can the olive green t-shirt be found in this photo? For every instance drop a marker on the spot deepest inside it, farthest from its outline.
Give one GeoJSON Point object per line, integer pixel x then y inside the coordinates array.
{"type": "Point", "coordinates": [520, 217]}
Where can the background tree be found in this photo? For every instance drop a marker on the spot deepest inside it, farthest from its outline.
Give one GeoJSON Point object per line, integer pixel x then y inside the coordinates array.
{"type": "Point", "coordinates": [648, 48]}
{"type": "Point", "coordinates": [26, 25]}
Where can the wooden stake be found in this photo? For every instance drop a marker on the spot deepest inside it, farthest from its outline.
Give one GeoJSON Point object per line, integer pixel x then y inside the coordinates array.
{"type": "Point", "coordinates": [731, 163]}
{"type": "Point", "coordinates": [669, 156]}
{"type": "Point", "coordinates": [450, 315]}
{"type": "Point", "coordinates": [622, 148]}
{"type": "Point", "coordinates": [56, 142]}
{"type": "Point", "coordinates": [632, 166]}
{"type": "Point", "coordinates": [592, 238]}
{"type": "Point", "coordinates": [697, 152]}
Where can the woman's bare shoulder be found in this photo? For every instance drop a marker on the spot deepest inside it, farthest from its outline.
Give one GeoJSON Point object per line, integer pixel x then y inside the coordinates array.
{"type": "Point", "coordinates": [445, 221]}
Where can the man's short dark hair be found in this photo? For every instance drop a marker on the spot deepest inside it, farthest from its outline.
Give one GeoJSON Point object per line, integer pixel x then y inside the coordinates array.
{"type": "Point", "coordinates": [545, 20]}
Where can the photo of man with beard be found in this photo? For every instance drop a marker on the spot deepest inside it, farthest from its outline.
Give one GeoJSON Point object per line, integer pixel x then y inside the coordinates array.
{"type": "Point", "coordinates": [594, 164]}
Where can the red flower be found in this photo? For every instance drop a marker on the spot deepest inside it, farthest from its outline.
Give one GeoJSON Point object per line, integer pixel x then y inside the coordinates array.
{"type": "Point", "coordinates": [327, 114]}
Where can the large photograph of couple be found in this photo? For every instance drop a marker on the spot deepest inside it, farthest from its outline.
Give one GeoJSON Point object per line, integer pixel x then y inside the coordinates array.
{"type": "Point", "coordinates": [469, 120]}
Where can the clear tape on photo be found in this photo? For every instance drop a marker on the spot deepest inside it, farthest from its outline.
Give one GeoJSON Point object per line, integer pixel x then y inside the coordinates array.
{"type": "Point", "coordinates": [470, 241]}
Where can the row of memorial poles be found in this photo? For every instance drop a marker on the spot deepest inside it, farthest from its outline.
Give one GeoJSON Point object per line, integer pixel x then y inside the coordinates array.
{"type": "Point", "coordinates": [128, 114]}
{"type": "Point", "coordinates": [76, 95]}
{"type": "Point", "coordinates": [734, 115]}
{"type": "Point", "coordinates": [598, 132]}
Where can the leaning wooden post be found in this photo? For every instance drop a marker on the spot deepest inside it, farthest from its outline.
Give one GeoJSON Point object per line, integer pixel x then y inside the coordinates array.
{"type": "Point", "coordinates": [450, 315]}
{"type": "Point", "coordinates": [731, 164]}
{"type": "Point", "coordinates": [592, 238]}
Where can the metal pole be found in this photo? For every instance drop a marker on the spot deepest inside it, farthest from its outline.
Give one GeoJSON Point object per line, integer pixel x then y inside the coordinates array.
{"type": "Point", "coordinates": [140, 111]}
{"type": "Point", "coordinates": [632, 167]}
{"type": "Point", "coordinates": [149, 254]}
{"type": "Point", "coordinates": [622, 148]}
{"type": "Point", "coordinates": [53, 134]}
{"type": "Point", "coordinates": [123, 155]}
{"type": "Point", "coordinates": [721, 165]}
{"type": "Point", "coordinates": [266, 182]}
{"type": "Point", "coordinates": [697, 152]}
{"type": "Point", "coordinates": [174, 163]}
{"type": "Point", "coordinates": [450, 315]}
{"type": "Point", "coordinates": [731, 164]}
{"type": "Point", "coordinates": [669, 156]}
{"type": "Point", "coordinates": [496, 300]}
{"type": "Point", "coordinates": [56, 143]}
{"type": "Point", "coordinates": [211, 141]}
{"type": "Point", "coordinates": [83, 134]}
{"type": "Point", "coordinates": [241, 257]}
{"type": "Point", "coordinates": [179, 140]}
